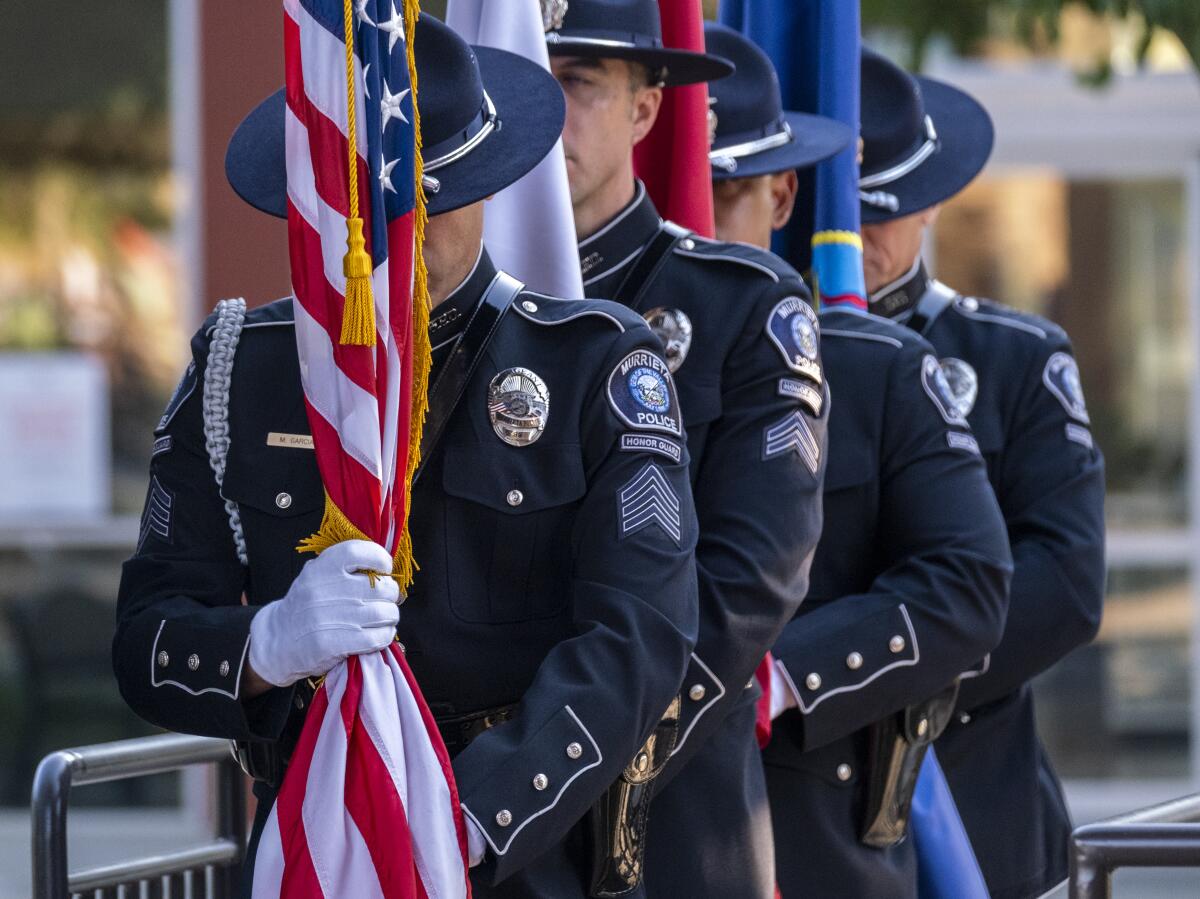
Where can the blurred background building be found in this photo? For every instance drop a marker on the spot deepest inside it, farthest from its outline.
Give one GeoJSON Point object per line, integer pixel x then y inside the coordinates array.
{"type": "Point", "coordinates": [118, 234]}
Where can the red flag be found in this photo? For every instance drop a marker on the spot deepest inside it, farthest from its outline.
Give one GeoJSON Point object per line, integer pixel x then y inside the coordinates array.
{"type": "Point", "coordinates": [673, 158]}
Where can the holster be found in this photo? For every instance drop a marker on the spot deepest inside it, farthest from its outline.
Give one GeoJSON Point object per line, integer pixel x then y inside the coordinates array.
{"type": "Point", "coordinates": [267, 762]}
{"type": "Point", "coordinates": [896, 747]}
{"type": "Point", "coordinates": [618, 819]}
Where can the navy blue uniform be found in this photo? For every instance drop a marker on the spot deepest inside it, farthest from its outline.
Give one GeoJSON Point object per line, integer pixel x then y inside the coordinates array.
{"type": "Point", "coordinates": [557, 577]}
{"type": "Point", "coordinates": [909, 587]}
{"type": "Point", "coordinates": [738, 327]}
{"type": "Point", "coordinates": [1019, 386]}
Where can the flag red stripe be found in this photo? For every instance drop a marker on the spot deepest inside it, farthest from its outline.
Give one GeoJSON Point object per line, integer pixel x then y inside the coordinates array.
{"type": "Point", "coordinates": [355, 490]}
{"type": "Point", "coordinates": [299, 876]}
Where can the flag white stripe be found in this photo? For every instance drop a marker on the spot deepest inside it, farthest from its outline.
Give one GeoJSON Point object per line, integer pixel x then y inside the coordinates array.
{"type": "Point", "coordinates": [324, 62]}
{"type": "Point", "coordinates": [268, 863]}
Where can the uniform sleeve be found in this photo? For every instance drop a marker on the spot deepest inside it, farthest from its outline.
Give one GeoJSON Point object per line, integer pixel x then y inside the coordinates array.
{"type": "Point", "coordinates": [1050, 484]}
{"type": "Point", "coordinates": [596, 697]}
{"type": "Point", "coordinates": [758, 500]}
{"type": "Point", "coordinates": [182, 631]}
{"type": "Point", "coordinates": [938, 604]}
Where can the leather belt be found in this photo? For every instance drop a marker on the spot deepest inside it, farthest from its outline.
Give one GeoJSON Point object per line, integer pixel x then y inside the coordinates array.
{"type": "Point", "coordinates": [459, 730]}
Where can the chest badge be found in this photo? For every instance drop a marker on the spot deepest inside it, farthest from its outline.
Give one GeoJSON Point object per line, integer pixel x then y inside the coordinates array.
{"type": "Point", "coordinates": [674, 329]}
{"type": "Point", "coordinates": [963, 383]}
{"type": "Point", "coordinates": [519, 406]}
{"type": "Point", "coordinates": [792, 327]}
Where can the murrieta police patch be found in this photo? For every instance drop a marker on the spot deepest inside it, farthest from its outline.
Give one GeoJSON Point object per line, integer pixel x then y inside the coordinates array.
{"type": "Point", "coordinates": [792, 327]}
{"type": "Point", "coordinates": [642, 394]}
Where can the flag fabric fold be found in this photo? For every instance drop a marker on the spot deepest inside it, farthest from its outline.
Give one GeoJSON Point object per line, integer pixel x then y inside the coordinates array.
{"type": "Point", "coordinates": [368, 806]}
{"type": "Point", "coordinates": [946, 863]}
{"type": "Point", "coordinates": [529, 227]}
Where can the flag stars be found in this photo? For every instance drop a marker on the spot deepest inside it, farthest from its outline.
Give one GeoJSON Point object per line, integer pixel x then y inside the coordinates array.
{"type": "Point", "coordinates": [367, 83]}
{"type": "Point", "coordinates": [360, 10]}
{"type": "Point", "coordinates": [385, 176]}
{"type": "Point", "coordinates": [394, 27]}
{"type": "Point", "coordinates": [391, 105]}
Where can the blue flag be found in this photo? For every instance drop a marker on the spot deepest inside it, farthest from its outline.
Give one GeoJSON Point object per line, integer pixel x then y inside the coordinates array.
{"type": "Point", "coordinates": [946, 865]}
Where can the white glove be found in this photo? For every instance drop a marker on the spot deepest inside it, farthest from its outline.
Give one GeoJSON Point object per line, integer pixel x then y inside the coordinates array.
{"type": "Point", "coordinates": [476, 845]}
{"type": "Point", "coordinates": [782, 695]}
{"type": "Point", "coordinates": [328, 613]}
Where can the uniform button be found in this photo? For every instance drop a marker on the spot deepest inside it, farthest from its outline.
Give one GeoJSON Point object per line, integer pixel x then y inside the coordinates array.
{"type": "Point", "coordinates": [854, 661]}
{"type": "Point", "coordinates": [529, 306]}
{"type": "Point", "coordinates": [504, 817]}
{"type": "Point", "coordinates": [298, 701]}
{"type": "Point", "coordinates": [515, 497]}
{"type": "Point", "coordinates": [224, 669]}
{"type": "Point", "coordinates": [813, 681]}
{"type": "Point", "coordinates": [696, 692]}
{"type": "Point", "coordinates": [922, 727]}
{"type": "Point", "coordinates": [844, 772]}
{"type": "Point", "coordinates": [688, 244]}
{"type": "Point", "coordinates": [540, 782]}
{"type": "Point", "coordinates": [964, 717]}
{"type": "Point", "coordinates": [193, 661]}
{"type": "Point", "coordinates": [970, 304]}
{"type": "Point", "coordinates": [642, 762]}
{"type": "Point", "coordinates": [163, 658]}
{"type": "Point", "coordinates": [283, 500]}
{"type": "Point", "coordinates": [896, 644]}
{"type": "Point", "coordinates": [574, 750]}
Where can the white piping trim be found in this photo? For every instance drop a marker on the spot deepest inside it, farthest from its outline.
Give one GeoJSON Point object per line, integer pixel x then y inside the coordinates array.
{"type": "Point", "coordinates": [878, 338]}
{"type": "Point", "coordinates": [726, 157]}
{"type": "Point", "coordinates": [852, 688]}
{"type": "Point", "coordinates": [464, 281]}
{"type": "Point", "coordinates": [154, 682]}
{"type": "Point", "coordinates": [617, 267]}
{"type": "Point", "coordinates": [978, 672]}
{"type": "Point", "coordinates": [570, 318]}
{"type": "Point", "coordinates": [558, 40]}
{"type": "Point", "coordinates": [704, 708]}
{"type": "Point", "coordinates": [638, 196]}
{"type": "Point", "coordinates": [903, 279]}
{"type": "Point", "coordinates": [472, 143]}
{"type": "Point", "coordinates": [750, 262]}
{"type": "Point", "coordinates": [898, 171]}
{"type": "Point", "coordinates": [512, 836]}
{"type": "Point", "coordinates": [997, 320]}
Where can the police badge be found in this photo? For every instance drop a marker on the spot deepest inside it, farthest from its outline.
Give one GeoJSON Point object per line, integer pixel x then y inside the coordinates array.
{"type": "Point", "coordinates": [519, 406]}
{"type": "Point", "coordinates": [792, 327]}
{"type": "Point", "coordinates": [553, 13]}
{"type": "Point", "coordinates": [963, 382]}
{"type": "Point", "coordinates": [674, 329]}
{"type": "Point", "coordinates": [1061, 378]}
{"type": "Point", "coordinates": [933, 379]}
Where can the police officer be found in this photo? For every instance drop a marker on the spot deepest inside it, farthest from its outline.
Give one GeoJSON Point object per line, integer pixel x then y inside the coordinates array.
{"type": "Point", "coordinates": [1012, 375]}
{"type": "Point", "coordinates": [736, 323]}
{"type": "Point", "coordinates": [554, 612]}
{"type": "Point", "coordinates": [909, 579]}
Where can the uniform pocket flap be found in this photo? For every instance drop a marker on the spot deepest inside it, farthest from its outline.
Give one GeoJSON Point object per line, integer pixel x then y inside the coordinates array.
{"type": "Point", "coordinates": [515, 480]}
{"type": "Point", "coordinates": [275, 480]}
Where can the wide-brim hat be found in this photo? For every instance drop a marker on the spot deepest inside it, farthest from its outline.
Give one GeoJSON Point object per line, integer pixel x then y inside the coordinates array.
{"type": "Point", "coordinates": [754, 134]}
{"type": "Point", "coordinates": [522, 113]}
{"type": "Point", "coordinates": [923, 140]}
{"type": "Point", "coordinates": [629, 30]}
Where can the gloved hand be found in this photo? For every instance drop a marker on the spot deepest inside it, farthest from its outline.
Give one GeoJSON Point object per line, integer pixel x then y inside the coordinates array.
{"type": "Point", "coordinates": [328, 613]}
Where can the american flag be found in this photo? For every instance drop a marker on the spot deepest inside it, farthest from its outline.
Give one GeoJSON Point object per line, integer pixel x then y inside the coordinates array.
{"type": "Point", "coordinates": [368, 807]}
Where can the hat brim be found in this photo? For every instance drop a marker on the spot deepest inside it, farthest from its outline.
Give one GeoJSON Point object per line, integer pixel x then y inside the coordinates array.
{"type": "Point", "coordinates": [682, 66]}
{"type": "Point", "coordinates": [529, 105]}
{"type": "Point", "coordinates": [816, 138]}
{"type": "Point", "coordinates": [966, 136]}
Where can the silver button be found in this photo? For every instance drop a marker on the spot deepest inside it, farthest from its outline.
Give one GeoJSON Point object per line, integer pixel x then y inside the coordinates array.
{"type": "Point", "coordinates": [896, 644]}
{"type": "Point", "coordinates": [688, 244]}
{"type": "Point", "coordinates": [504, 817]}
{"type": "Point", "coordinates": [813, 681]}
{"type": "Point", "coordinates": [970, 304]}
{"type": "Point", "coordinates": [574, 750]}
{"type": "Point", "coordinates": [529, 306]}
{"type": "Point", "coordinates": [854, 661]}
{"type": "Point", "coordinates": [844, 772]}
{"type": "Point", "coordinates": [964, 717]}
{"type": "Point", "coordinates": [540, 782]}
{"type": "Point", "coordinates": [298, 701]}
{"type": "Point", "coordinates": [163, 658]}
{"type": "Point", "coordinates": [922, 727]}
{"type": "Point", "coordinates": [515, 497]}
{"type": "Point", "coordinates": [696, 692]}
{"type": "Point", "coordinates": [283, 500]}
{"type": "Point", "coordinates": [641, 763]}
{"type": "Point", "coordinates": [193, 661]}
{"type": "Point", "coordinates": [224, 669]}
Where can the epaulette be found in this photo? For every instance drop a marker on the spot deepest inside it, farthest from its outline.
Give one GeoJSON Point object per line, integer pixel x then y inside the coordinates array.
{"type": "Point", "coordinates": [990, 312]}
{"type": "Point", "coordinates": [873, 328]}
{"type": "Point", "coordinates": [273, 314]}
{"type": "Point", "coordinates": [770, 265]}
{"type": "Point", "coordinates": [550, 311]}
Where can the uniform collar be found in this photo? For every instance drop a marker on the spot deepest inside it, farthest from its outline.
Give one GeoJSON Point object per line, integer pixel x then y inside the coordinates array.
{"type": "Point", "coordinates": [897, 299]}
{"type": "Point", "coordinates": [451, 315]}
{"type": "Point", "coordinates": [619, 242]}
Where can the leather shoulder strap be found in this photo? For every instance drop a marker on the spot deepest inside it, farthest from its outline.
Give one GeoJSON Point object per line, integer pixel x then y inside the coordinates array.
{"type": "Point", "coordinates": [641, 274]}
{"type": "Point", "coordinates": [448, 390]}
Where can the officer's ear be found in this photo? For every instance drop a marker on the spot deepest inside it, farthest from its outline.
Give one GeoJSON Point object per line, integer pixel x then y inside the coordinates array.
{"type": "Point", "coordinates": [647, 100]}
{"type": "Point", "coordinates": [784, 186]}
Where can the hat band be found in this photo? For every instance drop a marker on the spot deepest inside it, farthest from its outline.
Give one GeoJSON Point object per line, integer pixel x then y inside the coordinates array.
{"type": "Point", "coordinates": [484, 123]}
{"type": "Point", "coordinates": [614, 39]}
{"type": "Point", "coordinates": [898, 171]}
{"type": "Point", "coordinates": [726, 157]}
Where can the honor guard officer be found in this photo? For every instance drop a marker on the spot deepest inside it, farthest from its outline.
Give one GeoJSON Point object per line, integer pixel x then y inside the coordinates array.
{"type": "Point", "coordinates": [553, 616]}
{"type": "Point", "coordinates": [909, 581]}
{"type": "Point", "coordinates": [741, 337]}
{"type": "Point", "coordinates": [1013, 377]}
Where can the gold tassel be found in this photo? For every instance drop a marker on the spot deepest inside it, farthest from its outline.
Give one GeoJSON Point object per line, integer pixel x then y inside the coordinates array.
{"type": "Point", "coordinates": [358, 316]}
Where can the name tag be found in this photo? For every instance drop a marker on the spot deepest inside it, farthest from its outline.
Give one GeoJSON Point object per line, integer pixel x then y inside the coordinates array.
{"type": "Point", "coordinates": [294, 441]}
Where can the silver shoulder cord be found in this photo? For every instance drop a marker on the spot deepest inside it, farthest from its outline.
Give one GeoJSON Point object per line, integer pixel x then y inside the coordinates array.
{"type": "Point", "coordinates": [231, 316]}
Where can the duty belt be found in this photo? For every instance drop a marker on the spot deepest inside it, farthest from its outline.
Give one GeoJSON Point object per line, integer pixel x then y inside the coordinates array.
{"type": "Point", "coordinates": [459, 730]}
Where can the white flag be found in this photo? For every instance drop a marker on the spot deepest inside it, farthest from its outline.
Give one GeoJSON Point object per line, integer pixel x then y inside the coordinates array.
{"type": "Point", "coordinates": [528, 227]}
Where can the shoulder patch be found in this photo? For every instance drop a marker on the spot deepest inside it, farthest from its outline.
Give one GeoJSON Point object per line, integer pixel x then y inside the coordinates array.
{"type": "Point", "coordinates": [642, 394]}
{"type": "Point", "coordinates": [933, 379]}
{"type": "Point", "coordinates": [805, 393]}
{"type": "Point", "coordinates": [184, 389]}
{"type": "Point", "coordinates": [651, 443]}
{"type": "Point", "coordinates": [959, 440]}
{"type": "Point", "coordinates": [792, 327]}
{"type": "Point", "coordinates": [162, 445]}
{"type": "Point", "coordinates": [1061, 377]}
{"type": "Point", "coordinates": [156, 516]}
{"type": "Point", "coordinates": [791, 434]}
{"type": "Point", "coordinates": [963, 382]}
{"type": "Point", "coordinates": [649, 499]}
{"type": "Point", "coordinates": [1079, 434]}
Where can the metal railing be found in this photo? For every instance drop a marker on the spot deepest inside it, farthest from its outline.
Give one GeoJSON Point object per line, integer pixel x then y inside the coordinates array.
{"type": "Point", "coordinates": [210, 870]}
{"type": "Point", "coordinates": [1161, 836]}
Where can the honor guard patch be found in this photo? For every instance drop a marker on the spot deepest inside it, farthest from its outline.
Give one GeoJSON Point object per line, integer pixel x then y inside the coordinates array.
{"type": "Point", "coordinates": [805, 393]}
{"type": "Point", "coordinates": [648, 500]}
{"type": "Point", "coordinates": [933, 379]}
{"type": "Point", "coordinates": [1078, 434]}
{"type": "Point", "coordinates": [964, 384]}
{"type": "Point", "coordinates": [651, 443]}
{"type": "Point", "coordinates": [519, 406]}
{"type": "Point", "coordinates": [792, 327]}
{"type": "Point", "coordinates": [162, 445]}
{"type": "Point", "coordinates": [183, 390]}
{"type": "Point", "coordinates": [1062, 379]}
{"type": "Point", "coordinates": [642, 394]}
{"type": "Point", "coordinates": [792, 433]}
{"type": "Point", "coordinates": [961, 441]}
{"type": "Point", "coordinates": [674, 330]}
